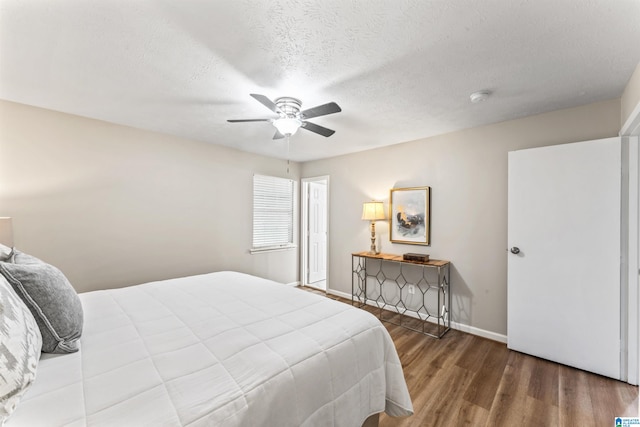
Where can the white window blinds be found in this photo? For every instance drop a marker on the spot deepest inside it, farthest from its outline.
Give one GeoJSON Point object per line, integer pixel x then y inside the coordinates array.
{"type": "Point", "coordinates": [273, 204]}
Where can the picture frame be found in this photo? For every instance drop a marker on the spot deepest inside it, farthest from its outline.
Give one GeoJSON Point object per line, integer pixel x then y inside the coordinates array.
{"type": "Point", "coordinates": [410, 215]}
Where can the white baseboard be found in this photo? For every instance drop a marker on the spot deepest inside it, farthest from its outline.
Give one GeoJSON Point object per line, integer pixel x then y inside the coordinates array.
{"type": "Point", "coordinates": [294, 284]}
{"type": "Point", "coordinates": [479, 332]}
{"type": "Point", "coordinates": [454, 325]}
{"type": "Point", "coordinates": [339, 294]}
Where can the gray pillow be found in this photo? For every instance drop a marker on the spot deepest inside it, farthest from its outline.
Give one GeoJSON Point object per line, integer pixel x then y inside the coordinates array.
{"type": "Point", "coordinates": [19, 257]}
{"type": "Point", "coordinates": [5, 252]}
{"type": "Point", "coordinates": [20, 346]}
{"type": "Point", "coordinates": [52, 300]}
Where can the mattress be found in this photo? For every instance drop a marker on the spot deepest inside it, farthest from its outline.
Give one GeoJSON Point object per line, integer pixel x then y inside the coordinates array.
{"type": "Point", "coordinates": [219, 349]}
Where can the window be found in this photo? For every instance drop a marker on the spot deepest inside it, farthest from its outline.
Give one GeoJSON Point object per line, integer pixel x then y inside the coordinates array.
{"type": "Point", "coordinates": [273, 206]}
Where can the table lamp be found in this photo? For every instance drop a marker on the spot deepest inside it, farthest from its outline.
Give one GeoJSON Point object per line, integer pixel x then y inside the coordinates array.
{"type": "Point", "coordinates": [6, 231]}
{"type": "Point", "coordinates": [373, 211]}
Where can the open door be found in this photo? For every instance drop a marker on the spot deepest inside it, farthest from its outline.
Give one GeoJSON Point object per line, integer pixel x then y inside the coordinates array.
{"type": "Point", "coordinates": [315, 232]}
{"type": "Point", "coordinates": [317, 240]}
{"type": "Point", "coordinates": [564, 259]}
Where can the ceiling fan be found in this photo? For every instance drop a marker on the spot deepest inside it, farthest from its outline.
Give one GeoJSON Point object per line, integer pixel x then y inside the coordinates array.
{"type": "Point", "coordinates": [291, 118]}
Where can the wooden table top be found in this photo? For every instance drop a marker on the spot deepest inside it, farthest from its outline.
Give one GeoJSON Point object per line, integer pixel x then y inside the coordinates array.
{"type": "Point", "coordinates": [398, 258]}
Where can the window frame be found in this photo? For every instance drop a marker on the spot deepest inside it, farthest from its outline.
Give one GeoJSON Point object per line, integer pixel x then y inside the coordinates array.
{"type": "Point", "coordinates": [274, 199]}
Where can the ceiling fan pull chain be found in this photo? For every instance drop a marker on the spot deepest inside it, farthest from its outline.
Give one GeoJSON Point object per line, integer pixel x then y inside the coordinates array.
{"type": "Point", "coordinates": [288, 156]}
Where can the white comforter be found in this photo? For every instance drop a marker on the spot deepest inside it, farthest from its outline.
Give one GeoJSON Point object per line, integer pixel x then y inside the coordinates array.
{"type": "Point", "coordinates": [220, 349]}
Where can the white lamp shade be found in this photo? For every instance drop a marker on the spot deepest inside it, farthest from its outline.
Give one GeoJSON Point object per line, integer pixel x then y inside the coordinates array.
{"type": "Point", "coordinates": [287, 125]}
{"type": "Point", "coordinates": [6, 231]}
{"type": "Point", "coordinates": [373, 211]}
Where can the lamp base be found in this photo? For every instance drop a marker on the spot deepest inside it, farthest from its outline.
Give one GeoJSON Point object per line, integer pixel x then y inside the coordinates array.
{"type": "Point", "coordinates": [373, 250]}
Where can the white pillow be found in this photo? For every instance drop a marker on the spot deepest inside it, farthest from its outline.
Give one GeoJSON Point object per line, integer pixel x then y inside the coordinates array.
{"type": "Point", "coordinates": [20, 345]}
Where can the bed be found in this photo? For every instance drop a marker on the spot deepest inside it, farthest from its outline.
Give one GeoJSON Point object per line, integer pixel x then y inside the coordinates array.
{"type": "Point", "coordinates": [218, 349]}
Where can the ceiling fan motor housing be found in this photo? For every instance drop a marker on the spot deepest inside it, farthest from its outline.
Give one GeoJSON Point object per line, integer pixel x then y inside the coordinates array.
{"type": "Point", "coordinates": [290, 107]}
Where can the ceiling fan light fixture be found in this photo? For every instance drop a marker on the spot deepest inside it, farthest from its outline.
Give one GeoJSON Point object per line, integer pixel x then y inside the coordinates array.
{"type": "Point", "coordinates": [287, 125]}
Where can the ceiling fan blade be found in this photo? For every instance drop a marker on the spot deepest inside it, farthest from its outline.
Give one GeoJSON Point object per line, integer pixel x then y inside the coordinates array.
{"type": "Point", "coordinates": [249, 120]}
{"type": "Point", "coordinates": [278, 135]}
{"type": "Point", "coordinates": [321, 130]}
{"type": "Point", "coordinates": [266, 102]}
{"type": "Point", "coordinates": [321, 110]}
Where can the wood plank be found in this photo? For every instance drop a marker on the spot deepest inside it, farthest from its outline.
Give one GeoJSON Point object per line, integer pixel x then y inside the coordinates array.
{"type": "Point", "coordinates": [543, 383]}
{"type": "Point", "coordinates": [488, 376]}
{"type": "Point", "coordinates": [610, 399]}
{"type": "Point", "coordinates": [575, 399]}
{"type": "Point", "coordinates": [470, 415]}
{"type": "Point", "coordinates": [510, 397]}
{"type": "Point", "coordinates": [513, 404]}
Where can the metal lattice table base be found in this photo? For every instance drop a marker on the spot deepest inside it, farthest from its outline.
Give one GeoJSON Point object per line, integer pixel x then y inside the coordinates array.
{"type": "Point", "coordinates": [413, 295]}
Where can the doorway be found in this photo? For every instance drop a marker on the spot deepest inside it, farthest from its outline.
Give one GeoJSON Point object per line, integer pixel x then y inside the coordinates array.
{"type": "Point", "coordinates": [314, 236]}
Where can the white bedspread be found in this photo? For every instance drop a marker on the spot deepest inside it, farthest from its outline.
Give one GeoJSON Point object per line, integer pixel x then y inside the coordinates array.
{"type": "Point", "coordinates": [219, 349]}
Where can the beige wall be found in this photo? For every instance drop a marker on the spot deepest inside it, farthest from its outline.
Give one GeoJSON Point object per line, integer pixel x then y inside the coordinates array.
{"type": "Point", "coordinates": [113, 206]}
{"type": "Point", "coordinates": [467, 172]}
{"type": "Point", "coordinates": [630, 96]}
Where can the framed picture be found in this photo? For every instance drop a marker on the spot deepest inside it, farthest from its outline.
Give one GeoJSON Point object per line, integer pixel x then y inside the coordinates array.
{"type": "Point", "coordinates": [409, 218]}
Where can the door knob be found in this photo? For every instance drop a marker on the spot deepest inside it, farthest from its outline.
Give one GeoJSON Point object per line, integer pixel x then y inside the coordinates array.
{"type": "Point", "coordinates": [515, 250]}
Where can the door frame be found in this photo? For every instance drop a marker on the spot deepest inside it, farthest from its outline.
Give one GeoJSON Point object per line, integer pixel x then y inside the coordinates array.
{"type": "Point", "coordinates": [304, 227]}
{"type": "Point", "coordinates": [630, 292]}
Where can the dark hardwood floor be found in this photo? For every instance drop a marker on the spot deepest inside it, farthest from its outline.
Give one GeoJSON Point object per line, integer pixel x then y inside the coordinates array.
{"type": "Point", "coordinates": [463, 379]}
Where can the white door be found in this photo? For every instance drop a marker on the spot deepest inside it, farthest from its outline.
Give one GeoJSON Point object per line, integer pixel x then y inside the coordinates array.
{"type": "Point", "coordinates": [317, 232]}
{"type": "Point", "coordinates": [564, 283]}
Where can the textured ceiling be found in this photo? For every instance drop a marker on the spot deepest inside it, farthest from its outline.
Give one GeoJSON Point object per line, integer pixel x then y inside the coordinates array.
{"type": "Point", "coordinates": [400, 69]}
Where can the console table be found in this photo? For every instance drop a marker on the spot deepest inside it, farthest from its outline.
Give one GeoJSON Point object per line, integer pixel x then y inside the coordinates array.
{"type": "Point", "coordinates": [414, 295]}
